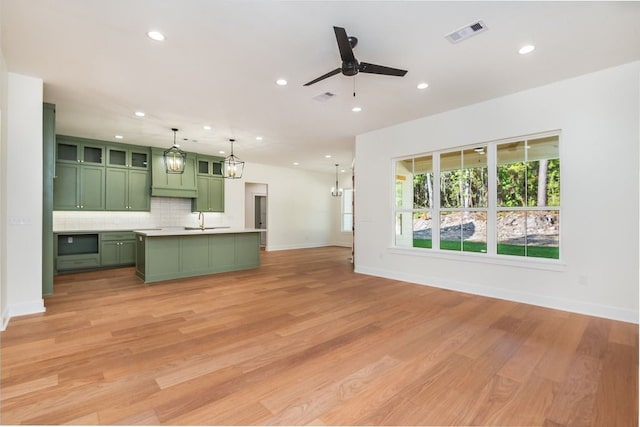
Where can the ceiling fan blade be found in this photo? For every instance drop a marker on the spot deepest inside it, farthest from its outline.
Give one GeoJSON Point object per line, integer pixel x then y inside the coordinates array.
{"type": "Point", "coordinates": [346, 53]}
{"type": "Point", "coordinates": [329, 74]}
{"type": "Point", "coordinates": [381, 69]}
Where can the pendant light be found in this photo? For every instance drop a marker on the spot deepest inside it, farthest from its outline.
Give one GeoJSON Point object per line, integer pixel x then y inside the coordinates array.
{"type": "Point", "coordinates": [174, 157]}
{"type": "Point", "coordinates": [336, 191]}
{"type": "Point", "coordinates": [232, 167]}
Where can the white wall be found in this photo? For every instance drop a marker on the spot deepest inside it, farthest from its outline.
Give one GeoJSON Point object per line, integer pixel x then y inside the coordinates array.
{"type": "Point", "coordinates": [299, 209]}
{"type": "Point", "coordinates": [598, 115]}
{"type": "Point", "coordinates": [23, 189]}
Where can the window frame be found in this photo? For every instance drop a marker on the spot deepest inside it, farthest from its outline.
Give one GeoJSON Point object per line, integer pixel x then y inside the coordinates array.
{"type": "Point", "coordinates": [343, 213]}
{"type": "Point", "coordinates": [491, 255]}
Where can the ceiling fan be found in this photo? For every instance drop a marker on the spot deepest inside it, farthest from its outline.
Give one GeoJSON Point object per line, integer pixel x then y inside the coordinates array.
{"type": "Point", "coordinates": [350, 65]}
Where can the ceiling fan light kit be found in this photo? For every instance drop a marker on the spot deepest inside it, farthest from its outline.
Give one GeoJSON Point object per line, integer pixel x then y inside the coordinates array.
{"type": "Point", "coordinates": [350, 65]}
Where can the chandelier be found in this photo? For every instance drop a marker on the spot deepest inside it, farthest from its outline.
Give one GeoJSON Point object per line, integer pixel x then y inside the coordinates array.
{"type": "Point", "coordinates": [336, 191]}
{"type": "Point", "coordinates": [232, 167]}
{"type": "Point", "coordinates": [174, 157]}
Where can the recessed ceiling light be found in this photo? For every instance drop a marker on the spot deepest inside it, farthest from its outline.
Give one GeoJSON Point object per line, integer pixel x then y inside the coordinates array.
{"type": "Point", "coordinates": [118, 136]}
{"type": "Point", "coordinates": [423, 85]}
{"type": "Point", "coordinates": [295, 163]}
{"type": "Point", "coordinates": [206, 127]}
{"type": "Point", "coordinates": [281, 82]}
{"type": "Point", "coordinates": [139, 113]}
{"type": "Point", "coordinates": [156, 35]}
{"type": "Point", "coordinates": [221, 152]}
{"type": "Point", "coordinates": [259, 138]}
{"type": "Point", "coordinates": [526, 49]}
{"type": "Point", "coordinates": [356, 109]}
{"type": "Point", "coordinates": [327, 156]}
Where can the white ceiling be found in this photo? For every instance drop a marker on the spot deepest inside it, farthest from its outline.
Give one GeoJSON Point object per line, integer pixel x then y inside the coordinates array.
{"type": "Point", "coordinates": [220, 60]}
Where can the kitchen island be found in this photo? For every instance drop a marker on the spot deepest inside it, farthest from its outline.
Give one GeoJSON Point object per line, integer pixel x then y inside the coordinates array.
{"type": "Point", "coordinates": [166, 254]}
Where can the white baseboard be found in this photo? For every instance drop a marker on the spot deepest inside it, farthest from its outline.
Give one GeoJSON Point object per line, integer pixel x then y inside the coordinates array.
{"type": "Point", "coordinates": [22, 309]}
{"type": "Point", "coordinates": [5, 319]}
{"type": "Point", "coordinates": [270, 248]}
{"type": "Point", "coordinates": [581, 307]}
{"type": "Point", "coordinates": [305, 246]}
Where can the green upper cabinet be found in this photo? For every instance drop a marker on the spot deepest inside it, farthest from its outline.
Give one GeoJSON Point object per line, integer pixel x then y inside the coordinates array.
{"type": "Point", "coordinates": [128, 157]}
{"type": "Point", "coordinates": [209, 165]}
{"type": "Point", "coordinates": [210, 195]}
{"type": "Point", "coordinates": [99, 175]}
{"type": "Point", "coordinates": [79, 187]}
{"type": "Point", "coordinates": [173, 185]}
{"type": "Point", "coordinates": [79, 150]}
{"type": "Point", "coordinates": [79, 180]}
{"type": "Point", "coordinates": [127, 190]}
{"type": "Point", "coordinates": [128, 178]}
{"type": "Point", "coordinates": [210, 185]}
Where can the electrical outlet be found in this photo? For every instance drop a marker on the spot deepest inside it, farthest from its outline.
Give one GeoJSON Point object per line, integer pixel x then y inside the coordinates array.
{"type": "Point", "coordinates": [20, 220]}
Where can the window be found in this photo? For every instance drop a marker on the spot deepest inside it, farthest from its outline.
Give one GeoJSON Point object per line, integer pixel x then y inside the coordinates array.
{"type": "Point", "coordinates": [515, 213]}
{"type": "Point", "coordinates": [414, 202]}
{"type": "Point", "coordinates": [528, 193]}
{"type": "Point", "coordinates": [347, 209]}
{"type": "Point", "coordinates": [463, 200]}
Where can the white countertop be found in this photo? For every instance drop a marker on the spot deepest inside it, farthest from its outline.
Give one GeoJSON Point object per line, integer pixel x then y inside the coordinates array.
{"type": "Point", "coordinates": [182, 232]}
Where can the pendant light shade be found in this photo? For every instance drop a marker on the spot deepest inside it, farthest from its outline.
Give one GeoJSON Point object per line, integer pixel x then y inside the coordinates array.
{"type": "Point", "coordinates": [336, 191]}
{"type": "Point", "coordinates": [174, 157]}
{"type": "Point", "coordinates": [232, 167]}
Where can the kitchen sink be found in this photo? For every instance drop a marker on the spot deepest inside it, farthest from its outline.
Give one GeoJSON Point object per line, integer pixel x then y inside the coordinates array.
{"type": "Point", "coordinates": [206, 228]}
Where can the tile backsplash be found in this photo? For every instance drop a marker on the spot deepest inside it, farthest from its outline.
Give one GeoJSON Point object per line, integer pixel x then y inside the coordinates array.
{"type": "Point", "coordinates": [165, 212]}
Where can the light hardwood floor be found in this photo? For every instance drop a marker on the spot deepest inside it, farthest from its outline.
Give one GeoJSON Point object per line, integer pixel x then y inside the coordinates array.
{"type": "Point", "coordinates": [304, 340]}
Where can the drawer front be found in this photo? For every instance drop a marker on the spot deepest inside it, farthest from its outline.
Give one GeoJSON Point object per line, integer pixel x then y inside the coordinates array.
{"type": "Point", "coordinates": [118, 235]}
{"type": "Point", "coordinates": [77, 262]}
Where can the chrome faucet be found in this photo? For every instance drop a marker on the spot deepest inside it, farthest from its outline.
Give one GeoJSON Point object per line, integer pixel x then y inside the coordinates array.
{"type": "Point", "coordinates": [201, 220]}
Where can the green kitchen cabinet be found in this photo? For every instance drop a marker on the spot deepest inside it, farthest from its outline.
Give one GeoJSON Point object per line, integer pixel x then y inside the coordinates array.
{"type": "Point", "coordinates": [79, 176]}
{"type": "Point", "coordinates": [171, 256]}
{"type": "Point", "coordinates": [128, 157]}
{"type": "Point", "coordinates": [70, 149]}
{"type": "Point", "coordinates": [48, 168]}
{"type": "Point", "coordinates": [117, 248]}
{"type": "Point", "coordinates": [79, 186]}
{"type": "Point", "coordinates": [127, 189]}
{"type": "Point", "coordinates": [173, 185]}
{"type": "Point", "coordinates": [210, 185]}
{"type": "Point", "coordinates": [210, 195]}
{"type": "Point", "coordinates": [76, 251]}
{"type": "Point", "coordinates": [209, 165]}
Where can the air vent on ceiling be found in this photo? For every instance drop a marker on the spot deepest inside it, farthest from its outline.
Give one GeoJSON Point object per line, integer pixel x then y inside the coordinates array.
{"type": "Point", "coordinates": [324, 96]}
{"type": "Point", "coordinates": [466, 32]}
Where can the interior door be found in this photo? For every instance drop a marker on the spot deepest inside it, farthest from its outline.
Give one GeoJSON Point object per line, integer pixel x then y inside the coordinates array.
{"type": "Point", "coordinates": [260, 212]}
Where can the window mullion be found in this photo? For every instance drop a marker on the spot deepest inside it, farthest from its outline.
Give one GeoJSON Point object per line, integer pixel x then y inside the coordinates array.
{"type": "Point", "coordinates": [435, 216]}
{"type": "Point", "coordinates": [492, 188]}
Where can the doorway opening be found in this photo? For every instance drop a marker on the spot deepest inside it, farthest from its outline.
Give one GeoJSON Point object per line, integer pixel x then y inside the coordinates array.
{"type": "Point", "coordinates": [256, 208]}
